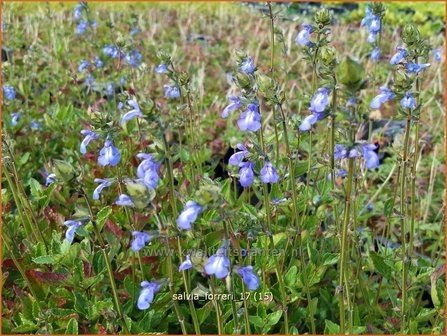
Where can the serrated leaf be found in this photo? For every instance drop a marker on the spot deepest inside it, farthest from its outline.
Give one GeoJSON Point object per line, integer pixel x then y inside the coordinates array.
{"type": "Point", "coordinates": [72, 327]}
{"type": "Point", "coordinates": [47, 259]}
{"type": "Point", "coordinates": [102, 216]}
{"type": "Point", "coordinates": [383, 268]}
{"type": "Point", "coordinates": [331, 328]}
{"type": "Point", "coordinates": [330, 258]}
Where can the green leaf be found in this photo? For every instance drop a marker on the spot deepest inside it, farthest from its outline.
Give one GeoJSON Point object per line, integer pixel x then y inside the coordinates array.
{"type": "Point", "coordinates": [102, 216]}
{"type": "Point", "coordinates": [274, 317]}
{"type": "Point", "coordinates": [330, 258]}
{"type": "Point", "coordinates": [72, 327]}
{"type": "Point", "coordinates": [256, 321]}
{"type": "Point", "coordinates": [290, 277]}
{"type": "Point", "coordinates": [35, 188]}
{"type": "Point", "coordinates": [204, 312]}
{"type": "Point", "coordinates": [47, 259]}
{"type": "Point", "coordinates": [331, 328]}
{"type": "Point", "coordinates": [383, 268]}
{"type": "Point", "coordinates": [24, 329]}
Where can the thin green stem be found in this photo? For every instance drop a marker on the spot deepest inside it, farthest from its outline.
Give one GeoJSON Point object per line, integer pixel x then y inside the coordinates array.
{"type": "Point", "coordinates": [108, 264]}
{"type": "Point", "coordinates": [342, 284]}
{"type": "Point", "coordinates": [272, 57]}
{"type": "Point", "coordinates": [403, 213]}
{"type": "Point", "coordinates": [279, 275]}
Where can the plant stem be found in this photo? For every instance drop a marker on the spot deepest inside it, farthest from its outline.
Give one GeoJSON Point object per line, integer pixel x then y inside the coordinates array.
{"type": "Point", "coordinates": [332, 138]}
{"type": "Point", "coordinates": [344, 246]}
{"type": "Point", "coordinates": [403, 213]}
{"type": "Point", "coordinates": [185, 280]}
{"type": "Point", "coordinates": [414, 169]}
{"type": "Point", "coordinates": [237, 328]}
{"type": "Point", "coordinates": [272, 57]}
{"type": "Point", "coordinates": [217, 307]}
{"type": "Point", "coordinates": [279, 275]}
{"type": "Point", "coordinates": [108, 264]}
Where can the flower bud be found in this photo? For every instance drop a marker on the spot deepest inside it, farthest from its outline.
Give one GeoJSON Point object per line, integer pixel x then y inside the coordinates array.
{"type": "Point", "coordinates": [378, 9]}
{"type": "Point", "coordinates": [184, 79]}
{"type": "Point", "coordinates": [411, 34]}
{"type": "Point", "coordinates": [266, 85]}
{"type": "Point", "coordinates": [63, 170]}
{"type": "Point", "coordinates": [239, 55]}
{"type": "Point", "coordinates": [243, 80]}
{"type": "Point", "coordinates": [323, 17]}
{"type": "Point", "coordinates": [329, 55]}
{"type": "Point", "coordinates": [140, 194]}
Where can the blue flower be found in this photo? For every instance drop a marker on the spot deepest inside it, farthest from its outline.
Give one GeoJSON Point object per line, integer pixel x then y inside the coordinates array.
{"type": "Point", "coordinates": [161, 68]}
{"type": "Point", "coordinates": [247, 65]}
{"type": "Point", "coordinates": [341, 173]}
{"type": "Point", "coordinates": [112, 51]}
{"type": "Point", "coordinates": [81, 27]}
{"type": "Point", "coordinates": [269, 174]}
{"type": "Point", "coordinates": [375, 54]}
{"type": "Point", "coordinates": [9, 91]}
{"type": "Point", "coordinates": [237, 157]}
{"type": "Point", "coordinates": [303, 36]}
{"type": "Point", "coordinates": [136, 112]}
{"type": "Point", "coordinates": [15, 118]}
{"type": "Point", "coordinates": [277, 201]}
{"type": "Point", "coordinates": [416, 68]}
{"type": "Point", "coordinates": [250, 119]}
{"type": "Point", "coordinates": [372, 22]}
{"type": "Point", "coordinates": [187, 264]}
{"type": "Point", "coordinates": [98, 62]}
{"type": "Point", "coordinates": [249, 277]}
{"type": "Point", "coordinates": [437, 53]}
{"type": "Point", "coordinates": [133, 58]}
{"type": "Point", "coordinates": [188, 215]}
{"type": "Point", "coordinates": [102, 184]}
{"type": "Point", "coordinates": [371, 157]}
{"type": "Point", "coordinates": [109, 154]}
{"type": "Point", "coordinates": [124, 200]}
{"type": "Point", "coordinates": [110, 89]}
{"type": "Point", "coordinates": [234, 105]}
{"type": "Point", "coordinates": [140, 239]}
{"type": "Point", "coordinates": [351, 102]}
{"type": "Point", "coordinates": [120, 106]}
{"type": "Point", "coordinates": [89, 136]}
{"type": "Point", "coordinates": [50, 179]}
{"type": "Point", "coordinates": [398, 56]}
{"type": "Point", "coordinates": [73, 225]}
{"type": "Point", "coordinates": [84, 65]}
{"type": "Point", "coordinates": [320, 100]}
{"type": "Point", "coordinates": [218, 264]}
{"type": "Point", "coordinates": [408, 102]}
{"type": "Point", "coordinates": [307, 122]}
{"type": "Point", "coordinates": [77, 13]}
{"type": "Point", "coordinates": [172, 91]}
{"type": "Point", "coordinates": [246, 174]}
{"type": "Point", "coordinates": [385, 95]}
{"type": "Point", "coordinates": [147, 170]}
{"type": "Point", "coordinates": [134, 31]}
{"type": "Point", "coordinates": [35, 125]}
{"type": "Point", "coordinates": [89, 80]}
{"type": "Point", "coordinates": [340, 152]}
{"type": "Point", "coordinates": [147, 294]}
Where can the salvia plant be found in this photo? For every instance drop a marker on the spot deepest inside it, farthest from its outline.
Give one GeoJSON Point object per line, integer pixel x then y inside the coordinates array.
{"type": "Point", "coordinates": [267, 175]}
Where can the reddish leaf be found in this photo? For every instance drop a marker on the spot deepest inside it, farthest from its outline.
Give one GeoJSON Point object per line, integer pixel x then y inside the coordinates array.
{"type": "Point", "coordinates": [114, 228]}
